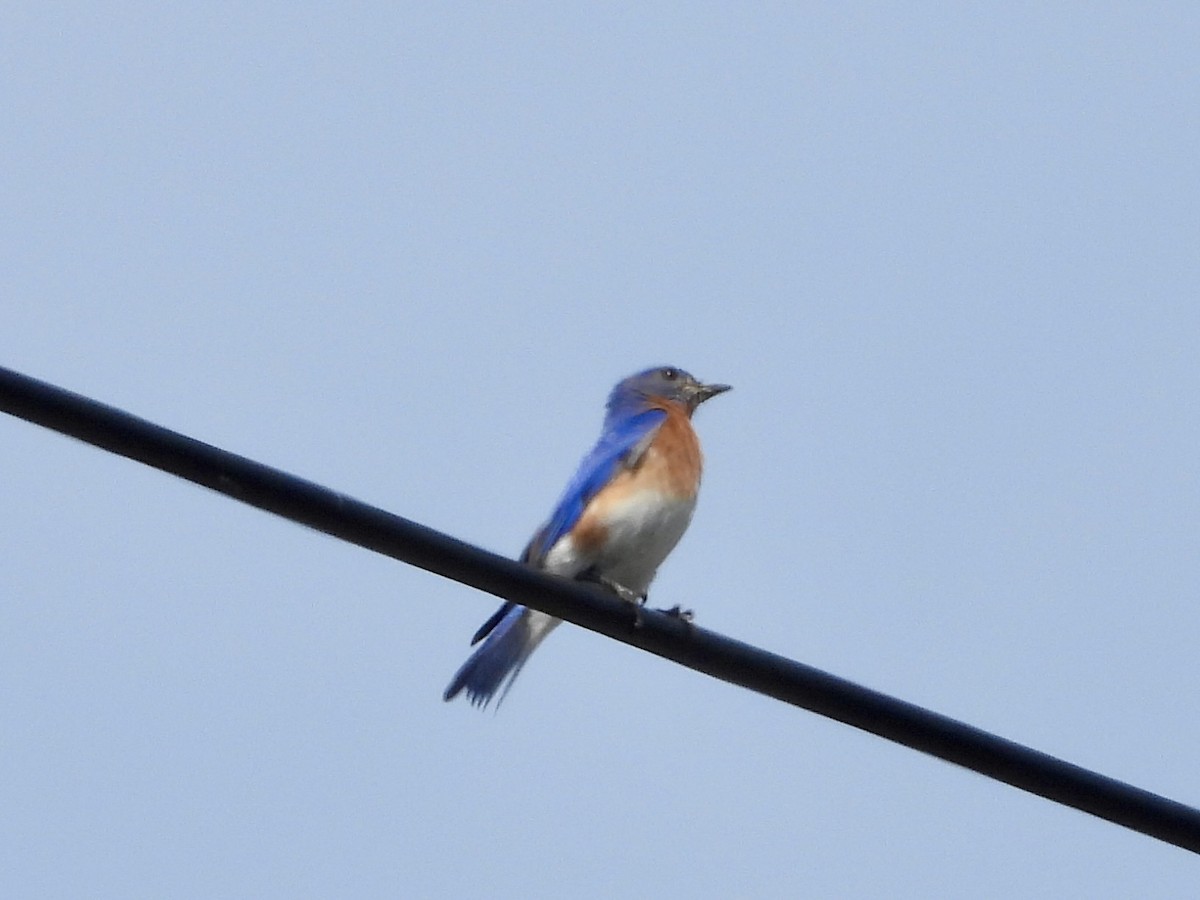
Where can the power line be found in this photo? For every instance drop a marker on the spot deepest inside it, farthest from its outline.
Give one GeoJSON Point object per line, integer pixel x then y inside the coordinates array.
{"type": "Point", "coordinates": [591, 607]}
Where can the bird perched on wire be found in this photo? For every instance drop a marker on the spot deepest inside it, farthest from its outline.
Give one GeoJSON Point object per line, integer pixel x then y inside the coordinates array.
{"type": "Point", "coordinates": [625, 510]}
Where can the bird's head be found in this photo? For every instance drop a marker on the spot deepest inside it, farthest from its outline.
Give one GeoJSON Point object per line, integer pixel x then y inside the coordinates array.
{"type": "Point", "coordinates": [664, 383]}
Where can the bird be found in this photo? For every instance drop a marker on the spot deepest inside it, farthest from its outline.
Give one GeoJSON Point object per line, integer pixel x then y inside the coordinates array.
{"type": "Point", "coordinates": [622, 513]}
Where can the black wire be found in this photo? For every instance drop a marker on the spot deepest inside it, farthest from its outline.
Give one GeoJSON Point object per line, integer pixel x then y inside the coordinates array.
{"type": "Point", "coordinates": [591, 607]}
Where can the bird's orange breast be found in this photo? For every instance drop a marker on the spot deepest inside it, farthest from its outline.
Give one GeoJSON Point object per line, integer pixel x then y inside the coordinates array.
{"type": "Point", "coordinates": [673, 462]}
{"type": "Point", "coordinates": [670, 467]}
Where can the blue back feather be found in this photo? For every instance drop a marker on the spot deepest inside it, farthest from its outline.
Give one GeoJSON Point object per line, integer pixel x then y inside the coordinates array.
{"type": "Point", "coordinates": [625, 427]}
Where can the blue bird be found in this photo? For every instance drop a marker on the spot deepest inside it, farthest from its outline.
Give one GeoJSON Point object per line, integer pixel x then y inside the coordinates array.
{"type": "Point", "coordinates": [626, 508]}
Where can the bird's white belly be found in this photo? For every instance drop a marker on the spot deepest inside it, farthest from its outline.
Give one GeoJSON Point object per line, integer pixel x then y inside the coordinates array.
{"type": "Point", "coordinates": [641, 530]}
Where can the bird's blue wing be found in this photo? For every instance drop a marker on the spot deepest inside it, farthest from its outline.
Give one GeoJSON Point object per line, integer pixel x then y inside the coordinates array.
{"type": "Point", "coordinates": [622, 436]}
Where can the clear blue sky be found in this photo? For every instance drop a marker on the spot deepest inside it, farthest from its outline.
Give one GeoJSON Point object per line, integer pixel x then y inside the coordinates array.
{"type": "Point", "coordinates": [950, 260]}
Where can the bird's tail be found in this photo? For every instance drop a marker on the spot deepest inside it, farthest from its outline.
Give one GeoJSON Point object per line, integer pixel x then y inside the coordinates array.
{"type": "Point", "coordinates": [493, 668]}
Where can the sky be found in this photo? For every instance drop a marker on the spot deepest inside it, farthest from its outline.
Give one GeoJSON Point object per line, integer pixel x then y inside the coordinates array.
{"type": "Point", "coordinates": [947, 256]}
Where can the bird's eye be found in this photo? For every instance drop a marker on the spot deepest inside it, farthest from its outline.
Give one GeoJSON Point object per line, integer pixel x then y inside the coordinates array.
{"type": "Point", "coordinates": [670, 374]}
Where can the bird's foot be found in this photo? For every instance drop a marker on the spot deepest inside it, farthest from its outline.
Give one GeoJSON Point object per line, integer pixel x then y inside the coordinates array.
{"type": "Point", "coordinates": [634, 599]}
{"type": "Point", "coordinates": [630, 596]}
{"type": "Point", "coordinates": [626, 594]}
{"type": "Point", "coordinates": [678, 612]}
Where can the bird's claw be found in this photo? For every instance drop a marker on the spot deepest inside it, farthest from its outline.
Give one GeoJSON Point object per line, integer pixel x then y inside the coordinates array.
{"type": "Point", "coordinates": [687, 616]}
{"type": "Point", "coordinates": [626, 594]}
{"type": "Point", "coordinates": [633, 598]}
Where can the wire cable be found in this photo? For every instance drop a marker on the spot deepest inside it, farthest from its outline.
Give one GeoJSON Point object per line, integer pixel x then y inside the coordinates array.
{"type": "Point", "coordinates": [593, 608]}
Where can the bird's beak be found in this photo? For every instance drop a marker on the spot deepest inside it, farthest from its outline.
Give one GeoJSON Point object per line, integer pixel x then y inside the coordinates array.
{"type": "Point", "coordinates": [707, 392]}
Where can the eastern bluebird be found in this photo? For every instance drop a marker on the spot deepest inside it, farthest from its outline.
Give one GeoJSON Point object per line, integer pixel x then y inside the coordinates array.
{"type": "Point", "coordinates": [623, 512]}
